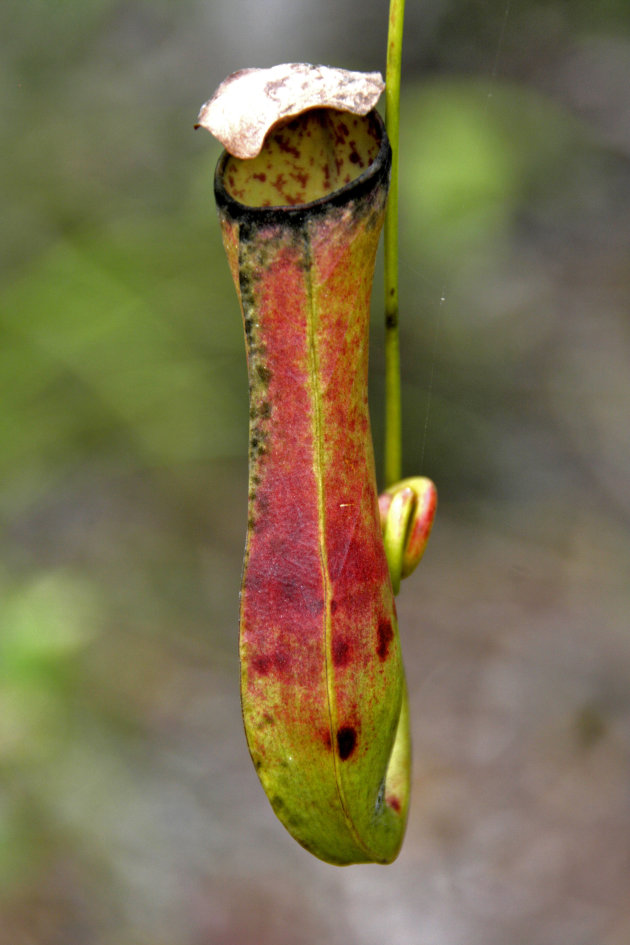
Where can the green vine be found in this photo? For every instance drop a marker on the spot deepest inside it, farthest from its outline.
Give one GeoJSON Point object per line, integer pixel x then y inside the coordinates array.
{"type": "Point", "coordinates": [393, 415]}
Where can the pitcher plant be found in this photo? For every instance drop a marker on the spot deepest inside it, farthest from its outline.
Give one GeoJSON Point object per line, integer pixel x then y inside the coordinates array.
{"type": "Point", "coordinates": [322, 680]}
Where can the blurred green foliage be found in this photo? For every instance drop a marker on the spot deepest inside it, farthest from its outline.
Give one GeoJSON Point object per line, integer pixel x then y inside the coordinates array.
{"type": "Point", "coordinates": [476, 153]}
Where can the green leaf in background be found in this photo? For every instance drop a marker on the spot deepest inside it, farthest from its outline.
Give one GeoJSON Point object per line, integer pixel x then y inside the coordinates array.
{"type": "Point", "coordinates": [105, 353]}
{"type": "Point", "coordinates": [472, 151]}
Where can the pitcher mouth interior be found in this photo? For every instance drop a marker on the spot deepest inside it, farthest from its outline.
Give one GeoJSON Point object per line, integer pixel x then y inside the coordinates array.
{"type": "Point", "coordinates": [322, 156]}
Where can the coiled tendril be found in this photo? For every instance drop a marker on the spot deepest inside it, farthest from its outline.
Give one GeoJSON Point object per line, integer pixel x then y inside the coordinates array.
{"type": "Point", "coordinates": [407, 512]}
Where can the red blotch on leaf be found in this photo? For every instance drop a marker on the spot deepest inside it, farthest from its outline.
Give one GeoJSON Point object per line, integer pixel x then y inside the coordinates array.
{"type": "Point", "coordinates": [262, 665]}
{"type": "Point", "coordinates": [340, 652]}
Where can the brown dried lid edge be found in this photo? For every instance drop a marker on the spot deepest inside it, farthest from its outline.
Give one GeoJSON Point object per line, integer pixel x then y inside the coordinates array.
{"type": "Point", "coordinates": [251, 101]}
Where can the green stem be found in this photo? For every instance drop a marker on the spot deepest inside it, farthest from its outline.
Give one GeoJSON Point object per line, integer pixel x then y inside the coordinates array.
{"type": "Point", "coordinates": [393, 415]}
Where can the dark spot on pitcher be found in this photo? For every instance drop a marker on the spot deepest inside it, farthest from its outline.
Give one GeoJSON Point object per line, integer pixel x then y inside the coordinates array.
{"type": "Point", "coordinates": [346, 742]}
{"type": "Point", "coordinates": [384, 635]}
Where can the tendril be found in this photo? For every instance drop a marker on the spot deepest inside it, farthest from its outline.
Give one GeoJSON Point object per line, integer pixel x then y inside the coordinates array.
{"type": "Point", "coordinates": [407, 512]}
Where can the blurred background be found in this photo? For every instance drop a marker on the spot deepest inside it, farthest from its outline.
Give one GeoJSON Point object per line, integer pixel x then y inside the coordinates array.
{"type": "Point", "coordinates": [130, 813]}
